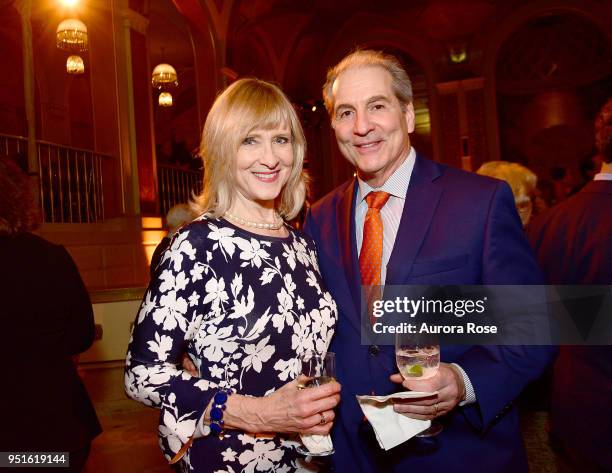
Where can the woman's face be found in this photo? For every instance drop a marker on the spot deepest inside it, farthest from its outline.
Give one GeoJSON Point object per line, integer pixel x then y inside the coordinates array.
{"type": "Point", "coordinates": [263, 164]}
{"type": "Point", "coordinates": [524, 205]}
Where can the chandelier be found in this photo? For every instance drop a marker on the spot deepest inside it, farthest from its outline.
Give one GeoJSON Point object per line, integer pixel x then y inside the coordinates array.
{"type": "Point", "coordinates": [165, 99]}
{"type": "Point", "coordinates": [75, 65]}
{"type": "Point", "coordinates": [164, 77]}
{"type": "Point", "coordinates": [71, 35]}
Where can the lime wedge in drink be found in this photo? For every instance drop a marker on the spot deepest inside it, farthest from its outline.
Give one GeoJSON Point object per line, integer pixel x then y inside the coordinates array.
{"type": "Point", "coordinates": [416, 371]}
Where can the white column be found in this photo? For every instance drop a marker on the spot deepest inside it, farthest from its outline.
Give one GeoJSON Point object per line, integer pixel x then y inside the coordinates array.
{"type": "Point", "coordinates": [124, 20]}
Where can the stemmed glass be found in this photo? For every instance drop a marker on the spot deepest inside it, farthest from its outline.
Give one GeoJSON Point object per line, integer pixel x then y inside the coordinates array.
{"type": "Point", "coordinates": [317, 369]}
{"type": "Point", "coordinates": [418, 357]}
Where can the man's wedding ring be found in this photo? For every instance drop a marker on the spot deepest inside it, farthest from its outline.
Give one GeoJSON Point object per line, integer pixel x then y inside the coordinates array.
{"type": "Point", "coordinates": [435, 409]}
{"type": "Point", "coordinates": [323, 419]}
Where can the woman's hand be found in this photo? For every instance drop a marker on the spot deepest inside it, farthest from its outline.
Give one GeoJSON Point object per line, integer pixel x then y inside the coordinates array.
{"type": "Point", "coordinates": [289, 409]}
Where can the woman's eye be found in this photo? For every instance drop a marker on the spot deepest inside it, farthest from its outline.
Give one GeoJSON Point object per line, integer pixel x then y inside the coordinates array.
{"type": "Point", "coordinates": [249, 140]}
{"type": "Point", "coordinates": [281, 140]}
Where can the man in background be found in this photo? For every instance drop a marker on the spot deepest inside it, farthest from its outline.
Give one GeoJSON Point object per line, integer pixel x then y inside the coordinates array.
{"type": "Point", "coordinates": [176, 217]}
{"type": "Point", "coordinates": [573, 243]}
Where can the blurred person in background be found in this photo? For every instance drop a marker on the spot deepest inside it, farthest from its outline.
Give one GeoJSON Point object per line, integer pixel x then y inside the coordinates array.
{"type": "Point", "coordinates": [573, 244]}
{"type": "Point", "coordinates": [177, 216]}
{"type": "Point", "coordinates": [46, 318]}
{"type": "Point", "coordinates": [522, 181]}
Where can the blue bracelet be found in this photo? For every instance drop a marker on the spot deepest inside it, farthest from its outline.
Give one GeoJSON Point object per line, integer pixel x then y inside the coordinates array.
{"type": "Point", "coordinates": [216, 412]}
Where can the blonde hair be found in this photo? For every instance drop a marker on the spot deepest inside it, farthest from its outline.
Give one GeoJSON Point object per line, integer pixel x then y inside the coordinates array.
{"type": "Point", "coordinates": [245, 105]}
{"type": "Point", "coordinates": [402, 87]}
{"type": "Point", "coordinates": [522, 181]}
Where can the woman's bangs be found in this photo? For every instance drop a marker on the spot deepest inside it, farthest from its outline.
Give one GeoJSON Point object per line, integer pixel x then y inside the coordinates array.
{"type": "Point", "coordinates": [267, 112]}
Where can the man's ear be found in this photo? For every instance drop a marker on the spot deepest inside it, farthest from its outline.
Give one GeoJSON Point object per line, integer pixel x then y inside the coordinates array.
{"type": "Point", "coordinates": [409, 116]}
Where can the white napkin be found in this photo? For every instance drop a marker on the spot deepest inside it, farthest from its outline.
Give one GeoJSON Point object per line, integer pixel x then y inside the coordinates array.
{"type": "Point", "coordinates": [392, 428]}
{"type": "Point", "coordinates": [317, 443]}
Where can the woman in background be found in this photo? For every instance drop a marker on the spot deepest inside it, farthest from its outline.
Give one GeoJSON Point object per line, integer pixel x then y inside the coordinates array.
{"type": "Point", "coordinates": [522, 181]}
{"type": "Point", "coordinates": [240, 292]}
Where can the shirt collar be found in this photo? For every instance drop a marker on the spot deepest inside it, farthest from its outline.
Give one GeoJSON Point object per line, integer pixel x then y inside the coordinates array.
{"type": "Point", "coordinates": [603, 176]}
{"type": "Point", "coordinates": [396, 185]}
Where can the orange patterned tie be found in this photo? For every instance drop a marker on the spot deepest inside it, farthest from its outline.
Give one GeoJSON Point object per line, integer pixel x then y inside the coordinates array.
{"type": "Point", "coordinates": [370, 258]}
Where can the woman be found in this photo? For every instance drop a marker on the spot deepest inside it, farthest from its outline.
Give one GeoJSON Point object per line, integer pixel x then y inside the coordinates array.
{"type": "Point", "coordinates": [240, 292]}
{"type": "Point", "coordinates": [522, 181]}
{"type": "Point", "coordinates": [46, 319]}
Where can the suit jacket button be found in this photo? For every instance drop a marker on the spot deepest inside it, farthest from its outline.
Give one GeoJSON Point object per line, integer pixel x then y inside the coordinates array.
{"type": "Point", "coordinates": [373, 350]}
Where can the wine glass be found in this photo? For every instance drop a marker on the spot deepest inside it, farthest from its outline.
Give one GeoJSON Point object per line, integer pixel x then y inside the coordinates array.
{"type": "Point", "coordinates": [418, 357]}
{"type": "Point", "coordinates": [316, 369]}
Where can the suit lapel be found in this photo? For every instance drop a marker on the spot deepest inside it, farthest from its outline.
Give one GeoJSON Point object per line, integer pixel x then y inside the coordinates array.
{"type": "Point", "coordinates": [422, 198]}
{"type": "Point", "coordinates": [345, 216]}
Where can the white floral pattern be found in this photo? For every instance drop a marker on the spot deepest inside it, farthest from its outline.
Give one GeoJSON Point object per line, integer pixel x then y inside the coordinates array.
{"type": "Point", "coordinates": [243, 307]}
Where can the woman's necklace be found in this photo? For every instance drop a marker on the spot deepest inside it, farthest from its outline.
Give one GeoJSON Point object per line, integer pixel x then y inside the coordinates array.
{"type": "Point", "coordinates": [266, 226]}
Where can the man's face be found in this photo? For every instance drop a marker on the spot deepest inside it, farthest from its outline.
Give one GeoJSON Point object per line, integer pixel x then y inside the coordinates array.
{"type": "Point", "coordinates": [370, 124]}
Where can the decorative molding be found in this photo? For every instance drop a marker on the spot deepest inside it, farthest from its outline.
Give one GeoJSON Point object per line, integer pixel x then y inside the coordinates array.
{"type": "Point", "coordinates": [117, 295]}
{"type": "Point", "coordinates": [460, 85]}
{"type": "Point", "coordinates": [135, 21]}
{"type": "Point", "coordinates": [24, 7]}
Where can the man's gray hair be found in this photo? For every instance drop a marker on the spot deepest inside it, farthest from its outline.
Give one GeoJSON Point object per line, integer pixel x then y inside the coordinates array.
{"type": "Point", "coordinates": [402, 87]}
{"type": "Point", "coordinates": [179, 215]}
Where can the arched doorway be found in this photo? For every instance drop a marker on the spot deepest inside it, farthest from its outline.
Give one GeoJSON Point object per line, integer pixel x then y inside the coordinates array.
{"type": "Point", "coordinates": [552, 74]}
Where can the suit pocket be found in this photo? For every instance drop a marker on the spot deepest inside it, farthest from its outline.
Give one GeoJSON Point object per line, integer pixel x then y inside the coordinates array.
{"type": "Point", "coordinates": [420, 268]}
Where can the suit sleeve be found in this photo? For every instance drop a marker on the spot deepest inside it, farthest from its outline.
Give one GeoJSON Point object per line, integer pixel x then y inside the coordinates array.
{"type": "Point", "coordinates": [310, 226]}
{"type": "Point", "coordinates": [499, 373]}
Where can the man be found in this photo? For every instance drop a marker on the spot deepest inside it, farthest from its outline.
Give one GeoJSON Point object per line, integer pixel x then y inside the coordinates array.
{"type": "Point", "coordinates": [573, 242]}
{"type": "Point", "coordinates": [439, 226]}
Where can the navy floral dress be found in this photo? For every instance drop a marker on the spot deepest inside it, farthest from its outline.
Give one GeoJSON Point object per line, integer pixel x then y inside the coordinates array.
{"type": "Point", "coordinates": [243, 307]}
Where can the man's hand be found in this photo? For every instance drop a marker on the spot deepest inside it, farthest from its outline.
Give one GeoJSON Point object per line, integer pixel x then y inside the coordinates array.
{"type": "Point", "coordinates": [189, 366]}
{"type": "Point", "coordinates": [448, 383]}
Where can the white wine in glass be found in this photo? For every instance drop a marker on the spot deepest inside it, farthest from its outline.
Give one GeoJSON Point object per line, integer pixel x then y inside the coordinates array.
{"type": "Point", "coordinates": [418, 357]}
{"type": "Point", "coordinates": [318, 369]}
{"type": "Point", "coordinates": [420, 362]}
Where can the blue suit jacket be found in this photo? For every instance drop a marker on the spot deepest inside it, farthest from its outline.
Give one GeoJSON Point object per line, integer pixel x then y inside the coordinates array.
{"type": "Point", "coordinates": [456, 228]}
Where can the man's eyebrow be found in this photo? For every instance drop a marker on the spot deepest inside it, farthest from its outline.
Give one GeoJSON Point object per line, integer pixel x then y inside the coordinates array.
{"type": "Point", "coordinates": [343, 105]}
{"type": "Point", "coordinates": [378, 98]}
{"type": "Point", "coordinates": [375, 98]}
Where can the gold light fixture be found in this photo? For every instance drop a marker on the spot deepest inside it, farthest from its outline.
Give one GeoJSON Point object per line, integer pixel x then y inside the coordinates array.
{"type": "Point", "coordinates": [164, 77]}
{"type": "Point", "coordinates": [75, 65]}
{"type": "Point", "coordinates": [71, 35]}
{"type": "Point", "coordinates": [165, 99]}
{"type": "Point", "coordinates": [458, 53]}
